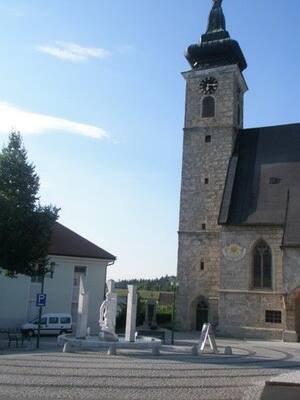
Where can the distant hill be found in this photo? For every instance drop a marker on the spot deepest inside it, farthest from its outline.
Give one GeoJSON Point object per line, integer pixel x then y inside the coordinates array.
{"type": "Point", "coordinates": [157, 284]}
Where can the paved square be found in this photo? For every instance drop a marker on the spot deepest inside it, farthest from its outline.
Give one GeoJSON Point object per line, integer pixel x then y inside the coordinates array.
{"type": "Point", "coordinates": [138, 375]}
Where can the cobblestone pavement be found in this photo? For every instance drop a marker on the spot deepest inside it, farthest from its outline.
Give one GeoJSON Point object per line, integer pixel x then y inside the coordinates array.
{"type": "Point", "coordinates": [137, 375]}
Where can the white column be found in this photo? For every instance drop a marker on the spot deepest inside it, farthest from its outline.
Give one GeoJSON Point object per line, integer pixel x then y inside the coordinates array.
{"type": "Point", "coordinates": [131, 314]}
{"type": "Point", "coordinates": [83, 304]}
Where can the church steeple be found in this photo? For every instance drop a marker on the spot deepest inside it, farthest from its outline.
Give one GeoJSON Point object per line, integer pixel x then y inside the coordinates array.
{"type": "Point", "coordinates": [216, 47]}
{"type": "Point", "coordinates": [216, 28]}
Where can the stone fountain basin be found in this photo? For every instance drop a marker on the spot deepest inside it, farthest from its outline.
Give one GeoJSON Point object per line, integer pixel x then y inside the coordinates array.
{"type": "Point", "coordinates": [93, 342]}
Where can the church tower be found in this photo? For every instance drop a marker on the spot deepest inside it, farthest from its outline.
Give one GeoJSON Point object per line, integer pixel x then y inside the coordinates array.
{"type": "Point", "coordinates": [215, 88]}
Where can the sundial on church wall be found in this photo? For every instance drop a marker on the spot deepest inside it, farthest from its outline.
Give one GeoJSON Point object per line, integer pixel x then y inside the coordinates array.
{"type": "Point", "coordinates": [234, 252]}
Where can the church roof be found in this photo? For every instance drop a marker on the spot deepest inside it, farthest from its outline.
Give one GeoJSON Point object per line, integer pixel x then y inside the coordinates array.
{"type": "Point", "coordinates": [65, 242]}
{"type": "Point", "coordinates": [263, 181]}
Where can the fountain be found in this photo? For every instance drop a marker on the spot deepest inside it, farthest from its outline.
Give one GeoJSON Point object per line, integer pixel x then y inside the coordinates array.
{"type": "Point", "coordinates": [107, 338]}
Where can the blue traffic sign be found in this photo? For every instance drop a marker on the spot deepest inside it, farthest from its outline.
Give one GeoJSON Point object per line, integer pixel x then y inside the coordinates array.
{"type": "Point", "coordinates": [41, 299]}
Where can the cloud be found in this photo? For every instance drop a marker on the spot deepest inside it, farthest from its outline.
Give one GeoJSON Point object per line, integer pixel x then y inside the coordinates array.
{"type": "Point", "coordinates": [74, 52]}
{"type": "Point", "coordinates": [13, 117]}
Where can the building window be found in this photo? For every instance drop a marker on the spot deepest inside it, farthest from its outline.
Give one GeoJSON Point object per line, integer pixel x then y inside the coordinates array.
{"type": "Point", "coordinates": [207, 138]}
{"type": "Point", "coordinates": [78, 271]}
{"type": "Point", "coordinates": [203, 227]}
{"type": "Point", "coordinates": [274, 317]}
{"type": "Point", "coordinates": [206, 181]}
{"type": "Point", "coordinates": [274, 181]}
{"type": "Point", "coordinates": [202, 266]}
{"type": "Point", "coordinates": [262, 266]}
{"type": "Point", "coordinates": [208, 107]}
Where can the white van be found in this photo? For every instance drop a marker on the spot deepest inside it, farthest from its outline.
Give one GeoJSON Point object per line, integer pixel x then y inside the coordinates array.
{"type": "Point", "coordinates": [51, 324]}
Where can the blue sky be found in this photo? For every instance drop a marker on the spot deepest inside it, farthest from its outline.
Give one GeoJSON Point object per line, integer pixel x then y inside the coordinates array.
{"type": "Point", "coordinates": [96, 90]}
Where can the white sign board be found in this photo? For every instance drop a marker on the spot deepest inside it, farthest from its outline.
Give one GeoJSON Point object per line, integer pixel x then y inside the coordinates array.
{"type": "Point", "coordinates": [207, 334]}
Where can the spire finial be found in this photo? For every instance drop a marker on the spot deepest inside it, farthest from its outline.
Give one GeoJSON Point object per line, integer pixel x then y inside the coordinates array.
{"type": "Point", "coordinates": [216, 22]}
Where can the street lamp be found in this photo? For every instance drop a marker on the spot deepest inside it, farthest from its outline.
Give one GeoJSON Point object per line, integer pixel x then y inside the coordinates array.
{"type": "Point", "coordinates": [174, 285]}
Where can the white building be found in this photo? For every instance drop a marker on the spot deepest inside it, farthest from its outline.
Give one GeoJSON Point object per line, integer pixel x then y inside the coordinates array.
{"type": "Point", "coordinates": [73, 255]}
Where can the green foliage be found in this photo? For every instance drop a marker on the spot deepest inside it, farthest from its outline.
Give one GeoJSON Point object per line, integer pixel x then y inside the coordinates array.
{"type": "Point", "coordinates": [143, 294]}
{"type": "Point", "coordinates": [25, 225]}
{"type": "Point", "coordinates": [121, 318]}
{"type": "Point", "coordinates": [164, 320]}
{"type": "Point", "coordinates": [159, 284]}
{"type": "Point", "coordinates": [141, 311]}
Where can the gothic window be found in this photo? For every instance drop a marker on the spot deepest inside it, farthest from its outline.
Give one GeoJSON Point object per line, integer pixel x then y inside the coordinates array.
{"type": "Point", "coordinates": [208, 107]}
{"type": "Point", "coordinates": [262, 266]}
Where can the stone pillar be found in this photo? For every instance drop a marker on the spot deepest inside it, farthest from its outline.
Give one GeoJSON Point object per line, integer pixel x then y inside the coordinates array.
{"type": "Point", "coordinates": [131, 314]}
{"type": "Point", "coordinates": [83, 304]}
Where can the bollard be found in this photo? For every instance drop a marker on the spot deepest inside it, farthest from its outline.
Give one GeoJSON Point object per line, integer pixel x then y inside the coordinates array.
{"type": "Point", "coordinates": [67, 348]}
{"type": "Point", "coordinates": [228, 351]}
{"type": "Point", "coordinates": [112, 350]}
{"type": "Point", "coordinates": [155, 351]}
{"type": "Point", "coordinates": [195, 351]}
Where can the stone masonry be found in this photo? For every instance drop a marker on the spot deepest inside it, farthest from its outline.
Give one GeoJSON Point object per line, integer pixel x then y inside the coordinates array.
{"type": "Point", "coordinates": [203, 158]}
{"type": "Point", "coordinates": [242, 308]}
{"type": "Point", "coordinates": [239, 231]}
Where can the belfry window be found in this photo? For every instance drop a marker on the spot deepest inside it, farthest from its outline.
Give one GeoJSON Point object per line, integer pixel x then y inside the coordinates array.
{"type": "Point", "coordinates": [208, 107]}
{"type": "Point", "coordinates": [262, 266]}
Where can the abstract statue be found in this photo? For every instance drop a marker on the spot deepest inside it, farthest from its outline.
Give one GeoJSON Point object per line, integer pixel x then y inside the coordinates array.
{"type": "Point", "coordinates": [108, 312]}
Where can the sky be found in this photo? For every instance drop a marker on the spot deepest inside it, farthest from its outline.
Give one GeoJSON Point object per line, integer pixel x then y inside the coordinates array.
{"type": "Point", "coordinates": [95, 88]}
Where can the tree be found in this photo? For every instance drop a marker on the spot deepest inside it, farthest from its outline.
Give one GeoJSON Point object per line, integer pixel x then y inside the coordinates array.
{"type": "Point", "coordinates": [25, 225]}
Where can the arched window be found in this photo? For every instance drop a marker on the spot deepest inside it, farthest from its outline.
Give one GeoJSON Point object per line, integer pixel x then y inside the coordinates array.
{"type": "Point", "coordinates": [208, 107]}
{"type": "Point", "coordinates": [262, 266]}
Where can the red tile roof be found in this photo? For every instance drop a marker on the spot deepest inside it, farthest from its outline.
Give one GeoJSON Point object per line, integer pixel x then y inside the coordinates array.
{"type": "Point", "coordinates": [65, 242]}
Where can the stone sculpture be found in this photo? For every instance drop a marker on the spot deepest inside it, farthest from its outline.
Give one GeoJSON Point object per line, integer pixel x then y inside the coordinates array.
{"type": "Point", "coordinates": [108, 312]}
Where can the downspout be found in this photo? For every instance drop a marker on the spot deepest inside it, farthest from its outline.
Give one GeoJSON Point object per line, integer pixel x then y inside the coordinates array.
{"type": "Point", "coordinates": [285, 287]}
{"type": "Point", "coordinates": [105, 277]}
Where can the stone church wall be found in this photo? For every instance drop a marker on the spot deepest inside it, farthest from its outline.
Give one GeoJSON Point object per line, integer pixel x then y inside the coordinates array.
{"type": "Point", "coordinates": [196, 284]}
{"type": "Point", "coordinates": [242, 308]}
{"type": "Point", "coordinates": [291, 274]}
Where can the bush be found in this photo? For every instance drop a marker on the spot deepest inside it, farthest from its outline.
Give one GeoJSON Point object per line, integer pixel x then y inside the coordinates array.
{"type": "Point", "coordinates": [164, 319]}
{"type": "Point", "coordinates": [121, 318]}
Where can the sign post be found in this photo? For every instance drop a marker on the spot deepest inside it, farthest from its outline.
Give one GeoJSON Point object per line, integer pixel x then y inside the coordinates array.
{"type": "Point", "coordinates": [40, 302]}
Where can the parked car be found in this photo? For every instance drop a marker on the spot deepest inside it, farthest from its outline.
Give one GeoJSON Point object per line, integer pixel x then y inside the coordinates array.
{"type": "Point", "coordinates": [51, 324]}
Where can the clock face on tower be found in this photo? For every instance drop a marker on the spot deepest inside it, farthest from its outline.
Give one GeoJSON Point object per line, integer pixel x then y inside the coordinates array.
{"type": "Point", "coordinates": [209, 85]}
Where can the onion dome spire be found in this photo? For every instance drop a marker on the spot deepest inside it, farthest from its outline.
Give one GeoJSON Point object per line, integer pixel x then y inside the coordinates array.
{"type": "Point", "coordinates": [216, 47]}
{"type": "Point", "coordinates": [216, 21]}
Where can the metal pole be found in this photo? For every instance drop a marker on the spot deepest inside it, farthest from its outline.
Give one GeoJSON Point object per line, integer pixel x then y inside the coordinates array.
{"type": "Point", "coordinates": [40, 315]}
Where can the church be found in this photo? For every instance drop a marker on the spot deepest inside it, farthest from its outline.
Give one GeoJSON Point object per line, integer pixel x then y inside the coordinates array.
{"type": "Point", "coordinates": [239, 228]}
